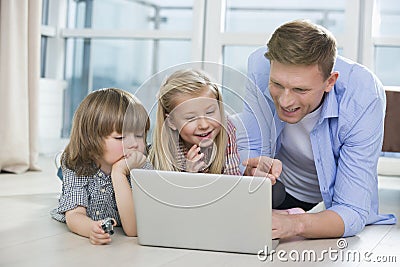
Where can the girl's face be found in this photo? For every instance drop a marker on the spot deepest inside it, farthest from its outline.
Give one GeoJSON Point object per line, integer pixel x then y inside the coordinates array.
{"type": "Point", "coordinates": [197, 119]}
{"type": "Point", "coordinates": [117, 146]}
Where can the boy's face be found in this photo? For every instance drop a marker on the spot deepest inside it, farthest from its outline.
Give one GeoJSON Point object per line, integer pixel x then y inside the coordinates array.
{"type": "Point", "coordinates": [117, 146]}
{"type": "Point", "coordinates": [297, 90]}
{"type": "Point", "coordinates": [197, 119]}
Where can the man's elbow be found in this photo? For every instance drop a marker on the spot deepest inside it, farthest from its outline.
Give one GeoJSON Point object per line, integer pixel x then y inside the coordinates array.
{"type": "Point", "coordinates": [354, 224]}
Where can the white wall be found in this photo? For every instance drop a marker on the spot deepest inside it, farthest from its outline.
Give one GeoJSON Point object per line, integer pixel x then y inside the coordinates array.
{"type": "Point", "coordinates": [50, 116]}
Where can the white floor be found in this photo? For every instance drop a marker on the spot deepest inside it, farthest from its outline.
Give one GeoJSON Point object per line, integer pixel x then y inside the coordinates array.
{"type": "Point", "coordinates": [29, 237]}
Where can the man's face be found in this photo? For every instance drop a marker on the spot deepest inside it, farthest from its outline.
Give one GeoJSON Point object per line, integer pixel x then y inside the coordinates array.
{"type": "Point", "coordinates": [297, 90]}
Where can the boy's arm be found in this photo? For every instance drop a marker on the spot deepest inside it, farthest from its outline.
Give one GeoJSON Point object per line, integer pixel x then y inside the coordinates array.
{"type": "Point", "coordinates": [78, 222]}
{"type": "Point", "coordinates": [123, 191]}
{"type": "Point", "coordinates": [124, 199]}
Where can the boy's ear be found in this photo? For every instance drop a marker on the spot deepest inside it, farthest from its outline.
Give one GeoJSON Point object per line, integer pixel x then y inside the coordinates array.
{"type": "Point", "coordinates": [169, 122]}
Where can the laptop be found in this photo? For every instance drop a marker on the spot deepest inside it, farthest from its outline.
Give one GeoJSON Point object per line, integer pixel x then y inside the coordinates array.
{"type": "Point", "coordinates": [203, 211]}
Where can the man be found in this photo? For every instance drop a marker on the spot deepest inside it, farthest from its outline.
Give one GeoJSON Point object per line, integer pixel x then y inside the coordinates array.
{"type": "Point", "coordinates": [324, 115]}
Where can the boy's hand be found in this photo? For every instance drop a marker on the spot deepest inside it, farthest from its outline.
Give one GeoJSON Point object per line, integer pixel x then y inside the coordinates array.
{"type": "Point", "coordinates": [97, 235]}
{"type": "Point", "coordinates": [133, 160]}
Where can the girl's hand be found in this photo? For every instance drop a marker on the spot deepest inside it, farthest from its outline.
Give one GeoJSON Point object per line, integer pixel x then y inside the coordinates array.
{"type": "Point", "coordinates": [97, 236]}
{"type": "Point", "coordinates": [194, 162]}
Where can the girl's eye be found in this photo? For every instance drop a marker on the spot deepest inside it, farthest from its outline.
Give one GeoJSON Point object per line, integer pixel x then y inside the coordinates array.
{"type": "Point", "coordinates": [119, 137]}
{"type": "Point", "coordinates": [139, 136]}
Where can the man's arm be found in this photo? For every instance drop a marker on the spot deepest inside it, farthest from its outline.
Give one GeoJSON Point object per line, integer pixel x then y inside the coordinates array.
{"type": "Point", "coordinates": [255, 123]}
{"type": "Point", "coordinates": [325, 224]}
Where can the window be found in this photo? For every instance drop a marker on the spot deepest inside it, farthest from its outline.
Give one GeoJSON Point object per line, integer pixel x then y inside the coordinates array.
{"type": "Point", "coordinates": [91, 44]}
{"type": "Point", "coordinates": [265, 16]}
{"type": "Point", "coordinates": [386, 36]}
{"type": "Point", "coordinates": [121, 43]}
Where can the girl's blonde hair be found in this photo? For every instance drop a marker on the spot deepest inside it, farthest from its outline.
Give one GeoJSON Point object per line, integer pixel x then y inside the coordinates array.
{"type": "Point", "coordinates": [192, 83]}
{"type": "Point", "coordinates": [98, 115]}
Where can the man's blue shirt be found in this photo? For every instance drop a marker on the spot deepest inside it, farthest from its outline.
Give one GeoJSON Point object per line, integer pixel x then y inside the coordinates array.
{"type": "Point", "coordinates": [346, 141]}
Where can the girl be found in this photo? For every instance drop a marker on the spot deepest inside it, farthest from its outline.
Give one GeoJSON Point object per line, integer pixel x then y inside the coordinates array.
{"type": "Point", "coordinates": [192, 132]}
{"type": "Point", "coordinates": [107, 140]}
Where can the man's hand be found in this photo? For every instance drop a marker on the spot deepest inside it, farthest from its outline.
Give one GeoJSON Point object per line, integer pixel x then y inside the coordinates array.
{"type": "Point", "coordinates": [263, 167]}
{"type": "Point", "coordinates": [284, 225]}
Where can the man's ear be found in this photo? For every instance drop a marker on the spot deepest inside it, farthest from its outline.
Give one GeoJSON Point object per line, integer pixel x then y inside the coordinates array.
{"type": "Point", "coordinates": [170, 123]}
{"type": "Point", "coordinates": [331, 81]}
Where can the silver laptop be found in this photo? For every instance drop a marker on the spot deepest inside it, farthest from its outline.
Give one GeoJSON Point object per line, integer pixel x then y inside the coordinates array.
{"type": "Point", "coordinates": [203, 211]}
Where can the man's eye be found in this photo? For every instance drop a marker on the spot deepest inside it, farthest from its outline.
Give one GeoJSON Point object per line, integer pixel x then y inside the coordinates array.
{"type": "Point", "coordinates": [275, 84]}
{"type": "Point", "coordinates": [210, 112]}
{"type": "Point", "coordinates": [299, 90]}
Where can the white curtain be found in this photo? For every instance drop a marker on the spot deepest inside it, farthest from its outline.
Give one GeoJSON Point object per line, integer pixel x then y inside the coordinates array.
{"type": "Point", "coordinates": [20, 22]}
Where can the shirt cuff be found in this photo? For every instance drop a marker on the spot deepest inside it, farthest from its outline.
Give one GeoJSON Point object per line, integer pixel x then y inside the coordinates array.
{"type": "Point", "coordinates": [353, 223]}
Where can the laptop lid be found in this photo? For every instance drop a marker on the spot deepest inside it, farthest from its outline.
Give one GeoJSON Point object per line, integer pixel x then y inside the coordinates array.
{"type": "Point", "coordinates": [203, 211]}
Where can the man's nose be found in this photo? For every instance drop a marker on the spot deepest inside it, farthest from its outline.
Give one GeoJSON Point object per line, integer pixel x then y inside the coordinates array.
{"type": "Point", "coordinates": [286, 99]}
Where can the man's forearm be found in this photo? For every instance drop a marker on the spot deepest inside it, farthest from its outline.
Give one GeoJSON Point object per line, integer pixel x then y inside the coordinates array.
{"type": "Point", "coordinates": [325, 224]}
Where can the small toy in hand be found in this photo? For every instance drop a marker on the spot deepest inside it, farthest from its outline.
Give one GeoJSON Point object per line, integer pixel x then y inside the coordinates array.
{"type": "Point", "coordinates": [108, 225]}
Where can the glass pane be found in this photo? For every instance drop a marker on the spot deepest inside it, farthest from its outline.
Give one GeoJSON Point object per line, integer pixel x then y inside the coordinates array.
{"type": "Point", "coordinates": [43, 49]}
{"type": "Point", "coordinates": [45, 12]}
{"type": "Point", "coordinates": [265, 16]}
{"type": "Point", "coordinates": [388, 18]}
{"type": "Point", "coordinates": [118, 63]}
{"type": "Point", "coordinates": [76, 75]}
{"type": "Point", "coordinates": [130, 14]}
{"type": "Point", "coordinates": [235, 57]}
{"type": "Point", "coordinates": [172, 53]}
{"type": "Point", "coordinates": [388, 73]}
{"type": "Point", "coordinates": [177, 19]}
